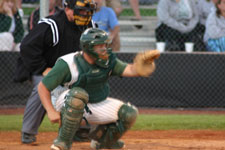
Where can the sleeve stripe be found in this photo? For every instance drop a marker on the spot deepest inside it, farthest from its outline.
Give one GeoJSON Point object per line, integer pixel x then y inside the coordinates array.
{"type": "Point", "coordinates": [93, 24]}
{"type": "Point", "coordinates": [54, 29]}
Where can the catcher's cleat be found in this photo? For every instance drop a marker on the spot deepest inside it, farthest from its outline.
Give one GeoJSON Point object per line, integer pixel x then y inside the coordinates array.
{"type": "Point", "coordinates": [95, 145]}
{"type": "Point", "coordinates": [53, 147]}
{"type": "Point", "coordinates": [27, 138]}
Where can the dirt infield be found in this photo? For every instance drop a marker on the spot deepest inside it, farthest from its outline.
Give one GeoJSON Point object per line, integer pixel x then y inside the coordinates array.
{"type": "Point", "coordinates": [135, 140]}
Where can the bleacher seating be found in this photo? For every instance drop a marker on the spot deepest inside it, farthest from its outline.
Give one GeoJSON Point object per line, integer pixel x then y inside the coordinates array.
{"type": "Point", "coordinates": [132, 39]}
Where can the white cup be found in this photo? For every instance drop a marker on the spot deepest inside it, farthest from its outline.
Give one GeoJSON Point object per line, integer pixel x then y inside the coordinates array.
{"type": "Point", "coordinates": [189, 46]}
{"type": "Point", "coordinates": [161, 46]}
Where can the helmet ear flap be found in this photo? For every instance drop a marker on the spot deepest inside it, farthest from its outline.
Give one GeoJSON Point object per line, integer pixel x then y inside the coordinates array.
{"type": "Point", "coordinates": [86, 46]}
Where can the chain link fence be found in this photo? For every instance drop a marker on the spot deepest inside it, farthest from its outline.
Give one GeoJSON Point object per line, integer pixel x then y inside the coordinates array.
{"type": "Point", "coordinates": [180, 81]}
{"type": "Point", "coordinates": [194, 80]}
{"type": "Point", "coordinates": [12, 94]}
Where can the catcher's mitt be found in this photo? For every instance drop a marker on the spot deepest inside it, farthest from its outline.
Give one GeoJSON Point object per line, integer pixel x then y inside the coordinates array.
{"type": "Point", "coordinates": [144, 62]}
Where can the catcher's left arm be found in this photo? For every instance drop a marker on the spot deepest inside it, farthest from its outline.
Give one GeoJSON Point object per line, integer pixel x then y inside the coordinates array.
{"type": "Point", "coordinates": [143, 65]}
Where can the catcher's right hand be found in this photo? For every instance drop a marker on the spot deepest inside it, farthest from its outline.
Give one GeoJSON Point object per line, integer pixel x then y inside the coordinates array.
{"type": "Point", "coordinates": [144, 62]}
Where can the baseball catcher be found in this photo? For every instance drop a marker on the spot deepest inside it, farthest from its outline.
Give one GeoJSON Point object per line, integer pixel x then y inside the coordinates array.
{"type": "Point", "coordinates": [84, 76]}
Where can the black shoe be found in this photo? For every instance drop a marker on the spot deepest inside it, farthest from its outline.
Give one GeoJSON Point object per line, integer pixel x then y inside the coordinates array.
{"type": "Point", "coordinates": [138, 26]}
{"type": "Point", "coordinates": [28, 138]}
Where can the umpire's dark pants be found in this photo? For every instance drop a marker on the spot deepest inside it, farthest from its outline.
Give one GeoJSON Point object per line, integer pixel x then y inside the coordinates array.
{"type": "Point", "coordinates": [34, 111]}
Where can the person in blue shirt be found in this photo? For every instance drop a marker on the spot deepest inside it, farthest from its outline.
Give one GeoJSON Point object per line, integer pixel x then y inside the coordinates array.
{"type": "Point", "coordinates": [215, 32]}
{"type": "Point", "coordinates": [106, 20]}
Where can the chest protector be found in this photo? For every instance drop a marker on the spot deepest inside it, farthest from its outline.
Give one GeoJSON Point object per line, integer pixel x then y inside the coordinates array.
{"type": "Point", "coordinates": [93, 79]}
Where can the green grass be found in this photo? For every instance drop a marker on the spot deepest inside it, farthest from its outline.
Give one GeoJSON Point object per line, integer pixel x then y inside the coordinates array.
{"type": "Point", "coordinates": [144, 122]}
{"type": "Point", "coordinates": [28, 11]}
{"type": "Point", "coordinates": [180, 122]}
{"type": "Point", "coordinates": [144, 12]}
{"type": "Point", "coordinates": [14, 123]}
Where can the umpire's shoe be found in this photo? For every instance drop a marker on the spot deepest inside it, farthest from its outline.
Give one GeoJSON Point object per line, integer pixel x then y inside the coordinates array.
{"type": "Point", "coordinates": [28, 138]}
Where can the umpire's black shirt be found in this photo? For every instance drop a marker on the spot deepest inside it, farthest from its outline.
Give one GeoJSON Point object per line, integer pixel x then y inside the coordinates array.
{"type": "Point", "coordinates": [53, 37]}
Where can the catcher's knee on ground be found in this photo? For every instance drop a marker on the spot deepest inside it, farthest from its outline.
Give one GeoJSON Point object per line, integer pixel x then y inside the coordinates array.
{"type": "Point", "coordinates": [107, 136]}
{"type": "Point", "coordinates": [71, 116]}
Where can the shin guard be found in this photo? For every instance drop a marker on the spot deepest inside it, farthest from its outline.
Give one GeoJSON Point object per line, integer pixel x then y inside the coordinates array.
{"type": "Point", "coordinates": [107, 136]}
{"type": "Point", "coordinates": [71, 116]}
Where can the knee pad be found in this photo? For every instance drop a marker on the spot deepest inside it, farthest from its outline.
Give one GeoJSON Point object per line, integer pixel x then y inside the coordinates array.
{"type": "Point", "coordinates": [76, 98]}
{"type": "Point", "coordinates": [127, 115]}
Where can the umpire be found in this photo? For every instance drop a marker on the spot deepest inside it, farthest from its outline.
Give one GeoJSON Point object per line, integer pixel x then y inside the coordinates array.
{"type": "Point", "coordinates": [53, 37]}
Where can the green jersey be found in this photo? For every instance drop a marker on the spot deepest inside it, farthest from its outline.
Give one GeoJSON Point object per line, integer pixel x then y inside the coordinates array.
{"type": "Point", "coordinates": [73, 71]}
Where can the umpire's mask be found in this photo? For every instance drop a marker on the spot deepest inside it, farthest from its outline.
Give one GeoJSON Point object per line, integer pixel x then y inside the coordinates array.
{"type": "Point", "coordinates": [83, 10]}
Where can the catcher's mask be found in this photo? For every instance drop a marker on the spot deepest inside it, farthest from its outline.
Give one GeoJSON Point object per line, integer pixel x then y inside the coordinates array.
{"type": "Point", "coordinates": [94, 36]}
{"type": "Point", "coordinates": [81, 5]}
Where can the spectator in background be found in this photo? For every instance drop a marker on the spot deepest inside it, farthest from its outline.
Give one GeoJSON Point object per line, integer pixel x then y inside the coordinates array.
{"type": "Point", "coordinates": [106, 20]}
{"type": "Point", "coordinates": [11, 26]}
{"type": "Point", "coordinates": [117, 7]}
{"type": "Point", "coordinates": [35, 15]}
{"type": "Point", "coordinates": [178, 23]}
{"type": "Point", "coordinates": [19, 6]}
{"type": "Point", "coordinates": [135, 7]}
{"type": "Point", "coordinates": [204, 9]}
{"type": "Point", "coordinates": [215, 28]}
